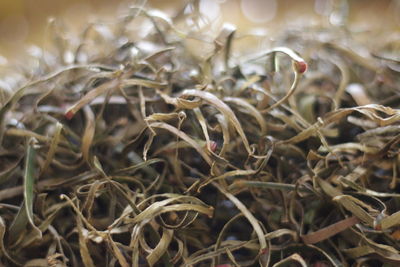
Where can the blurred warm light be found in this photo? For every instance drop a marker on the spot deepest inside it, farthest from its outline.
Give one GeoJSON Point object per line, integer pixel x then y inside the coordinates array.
{"type": "Point", "coordinates": [210, 9]}
{"type": "Point", "coordinates": [259, 11]}
{"type": "Point", "coordinates": [23, 22]}
{"type": "Point", "coordinates": [14, 28]}
{"type": "Point", "coordinates": [323, 7]}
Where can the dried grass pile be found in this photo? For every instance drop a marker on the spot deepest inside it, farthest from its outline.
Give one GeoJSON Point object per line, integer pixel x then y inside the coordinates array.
{"type": "Point", "coordinates": [147, 142]}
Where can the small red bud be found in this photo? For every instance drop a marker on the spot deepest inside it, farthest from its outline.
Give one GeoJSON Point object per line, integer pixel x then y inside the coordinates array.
{"type": "Point", "coordinates": [213, 146]}
{"type": "Point", "coordinates": [300, 66]}
{"type": "Point", "coordinates": [378, 227]}
{"type": "Point", "coordinates": [69, 115]}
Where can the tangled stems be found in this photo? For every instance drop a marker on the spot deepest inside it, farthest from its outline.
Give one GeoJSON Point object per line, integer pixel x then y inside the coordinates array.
{"type": "Point", "coordinates": [299, 67]}
{"type": "Point", "coordinates": [289, 93]}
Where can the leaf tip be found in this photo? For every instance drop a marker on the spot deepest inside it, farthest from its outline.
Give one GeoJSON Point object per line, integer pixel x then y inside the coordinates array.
{"type": "Point", "coordinates": [300, 66]}
{"type": "Point", "coordinates": [213, 146]}
{"type": "Point", "coordinates": [69, 114]}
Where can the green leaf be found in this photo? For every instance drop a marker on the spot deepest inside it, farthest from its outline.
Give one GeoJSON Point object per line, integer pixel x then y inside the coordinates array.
{"type": "Point", "coordinates": [25, 213]}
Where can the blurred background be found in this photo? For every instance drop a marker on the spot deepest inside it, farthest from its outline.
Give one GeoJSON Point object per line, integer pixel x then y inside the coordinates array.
{"type": "Point", "coordinates": [23, 22]}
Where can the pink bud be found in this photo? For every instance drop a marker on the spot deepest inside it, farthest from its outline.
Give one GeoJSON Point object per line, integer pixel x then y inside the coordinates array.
{"type": "Point", "coordinates": [69, 115]}
{"type": "Point", "coordinates": [213, 146]}
{"type": "Point", "coordinates": [300, 66]}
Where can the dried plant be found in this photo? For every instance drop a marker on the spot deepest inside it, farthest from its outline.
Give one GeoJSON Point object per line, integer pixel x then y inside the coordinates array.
{"type": "Point", "coordinates": [145, 142]}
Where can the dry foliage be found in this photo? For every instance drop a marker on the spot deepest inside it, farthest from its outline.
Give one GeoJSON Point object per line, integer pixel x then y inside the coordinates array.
{"type": "Point", "coordinates": [146, 142]}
